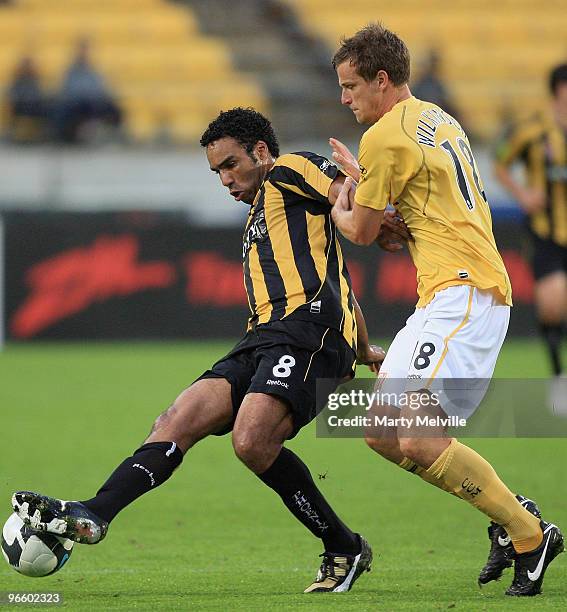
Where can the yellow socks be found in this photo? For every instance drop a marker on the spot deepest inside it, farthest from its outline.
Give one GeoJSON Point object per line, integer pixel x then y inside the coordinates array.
{"type": "Point", "coordinates": [413, 468]}
{"type": "Point", "coordinates": [462, 471]}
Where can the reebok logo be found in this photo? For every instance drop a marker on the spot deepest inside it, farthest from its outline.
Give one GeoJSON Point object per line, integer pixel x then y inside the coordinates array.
{"type": "Point", "coordinates": [281, 383]}
{"type": "Point", "coordinates": [150, 474]}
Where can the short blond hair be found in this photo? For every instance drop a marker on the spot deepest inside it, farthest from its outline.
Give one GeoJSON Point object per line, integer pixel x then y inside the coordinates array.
{"type": "Point", "coordinates": [375, 48]}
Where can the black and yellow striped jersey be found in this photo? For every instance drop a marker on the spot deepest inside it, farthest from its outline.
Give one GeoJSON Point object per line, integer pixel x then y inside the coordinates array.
{"type": "Point", "coordinates": [293, 264]}
{"type": "Point", "coordinates": [541, 145]}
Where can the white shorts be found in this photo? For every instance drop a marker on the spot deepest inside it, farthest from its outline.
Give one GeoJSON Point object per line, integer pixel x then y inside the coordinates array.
{"type": "Point", "coordinates": [458, 335]}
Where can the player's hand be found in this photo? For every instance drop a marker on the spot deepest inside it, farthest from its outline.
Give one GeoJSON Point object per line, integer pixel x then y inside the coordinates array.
{"type": "Point", "coordinates": [532, 200]}
{"type": "Point", "coordinates": [372, 356]}
{"type": "Point", "coordinates": [394, 233]}
{"type": "Point", "coordinates": [344, 158]}
{"type": "Point", "coordinates": [345, 198]}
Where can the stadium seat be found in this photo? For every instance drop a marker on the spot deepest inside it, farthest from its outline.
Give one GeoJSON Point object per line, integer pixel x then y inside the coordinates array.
{"type": "Point", "coordinates": [151, 53]}
{"type": "Point", "coordinates": [486, 63]}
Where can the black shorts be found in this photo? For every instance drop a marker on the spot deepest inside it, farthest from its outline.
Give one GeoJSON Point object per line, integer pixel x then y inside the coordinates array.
{"type": "Point", "coordinates": [548, 257]}
{"type": "Point", "coordinates": [285, 359]}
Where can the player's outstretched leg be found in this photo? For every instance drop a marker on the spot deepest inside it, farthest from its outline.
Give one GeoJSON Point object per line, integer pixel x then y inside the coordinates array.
{"type": "Point", "coordinates": [535, 542]}
{"type": "Point", "coordinates": [204, 408]}
{"type": "Point", "coordinates": [87, 521]}
{"type": "Point", "coordinates": [501, 553]}
{"type": "Point", "coordinates": [67, 519]}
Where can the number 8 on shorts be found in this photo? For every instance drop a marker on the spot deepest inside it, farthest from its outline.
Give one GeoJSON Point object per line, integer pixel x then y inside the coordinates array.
{"type": "Point", "coordinates": [283, 368]}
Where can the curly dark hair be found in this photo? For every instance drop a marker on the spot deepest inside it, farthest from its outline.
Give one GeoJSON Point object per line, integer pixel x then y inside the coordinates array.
{"type": "Point", "coordinates": [375, 48]}
{"type": "Point", "coordinates": [246, 125]}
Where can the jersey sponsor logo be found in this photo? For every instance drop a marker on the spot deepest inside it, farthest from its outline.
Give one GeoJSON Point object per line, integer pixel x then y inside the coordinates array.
{"type": "Point", "coordinates": [315, 307]}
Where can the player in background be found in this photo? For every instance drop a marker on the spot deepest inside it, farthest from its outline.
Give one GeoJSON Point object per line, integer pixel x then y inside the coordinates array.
{"type": "Point", "coordinates": [540, 144]}
{"type": "Point", "coordinates": [304, 325]}
{"type": "Point", "coordinates": [417, 158]}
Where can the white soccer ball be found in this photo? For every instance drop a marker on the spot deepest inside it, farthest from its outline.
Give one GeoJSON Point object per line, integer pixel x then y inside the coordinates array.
{"type": "Point", "coordinates": [33, 553]}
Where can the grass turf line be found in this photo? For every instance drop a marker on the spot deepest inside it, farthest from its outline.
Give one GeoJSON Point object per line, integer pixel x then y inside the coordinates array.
{"type": "Point", "coordinates": [213, 537]}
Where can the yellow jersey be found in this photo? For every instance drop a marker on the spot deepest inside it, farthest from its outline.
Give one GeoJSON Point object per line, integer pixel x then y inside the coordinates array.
{"type": "Point", "coordinates": [418, 158]}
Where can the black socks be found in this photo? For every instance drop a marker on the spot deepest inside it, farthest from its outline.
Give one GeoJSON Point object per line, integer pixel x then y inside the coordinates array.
{"type": "Point", "coordinates": [552, 336]}
{"type": "Point", "coordinates": [289, 477]}
{"type": "Point", "coordinates": [150, 466]}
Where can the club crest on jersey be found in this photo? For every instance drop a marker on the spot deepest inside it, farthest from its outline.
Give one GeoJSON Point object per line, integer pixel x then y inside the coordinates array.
{"type": "Point", "coordinates": [256, 232]}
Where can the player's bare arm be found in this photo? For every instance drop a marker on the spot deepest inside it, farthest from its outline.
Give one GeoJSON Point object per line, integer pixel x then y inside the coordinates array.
{"type": "Point", "coordinates": [530, 199]}
{"type": "Point", "coordinates": [335, 189]}
{"type": "Point", "coordinates": [394, 233]}
{"type": "Point", "coordinates": [359, 224]}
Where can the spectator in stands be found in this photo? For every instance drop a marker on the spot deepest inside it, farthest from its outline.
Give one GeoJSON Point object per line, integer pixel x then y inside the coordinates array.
{"type": "Point", "coordinates": [431, 88]}
{"type": "Point", "coordinates": [84, 100]}
{"type": "Point", "coordinates": [27, 104]}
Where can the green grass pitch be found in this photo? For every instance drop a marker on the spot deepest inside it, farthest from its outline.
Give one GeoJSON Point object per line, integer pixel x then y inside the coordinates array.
{"type": "Point", "coordinates": [213, 537]}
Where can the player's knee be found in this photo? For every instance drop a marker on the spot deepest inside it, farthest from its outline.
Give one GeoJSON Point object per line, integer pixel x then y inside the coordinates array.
{"type": "Point", "coordinates": [387, 447]}
{"type": "Point", "coordinates": [251, 452]}
{"type": "Point", "coordinates": [175, 425]}
{"type": "Point", "coordinates": [412, 448]}
{"type": "Point", "coordinates": [376, 444]}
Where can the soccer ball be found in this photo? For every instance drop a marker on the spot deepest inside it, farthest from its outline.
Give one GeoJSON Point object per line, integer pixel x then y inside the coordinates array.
{"type": "Point", "coordinates": [32, 553]}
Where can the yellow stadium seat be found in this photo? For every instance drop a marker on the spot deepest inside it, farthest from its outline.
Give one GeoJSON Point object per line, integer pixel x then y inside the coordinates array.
{"type": "Point", "coordinates": [495, 55]}
{"type": "Point", "coordinates": [167, 76]}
